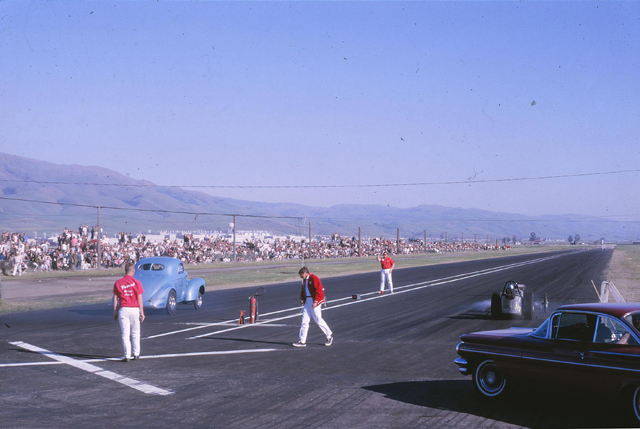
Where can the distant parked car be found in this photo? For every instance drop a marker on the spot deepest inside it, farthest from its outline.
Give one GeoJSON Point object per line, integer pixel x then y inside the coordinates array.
{"type": "Point", "coordinates": [583, 346]}
{"type": "Point", "coordinates": [165, 284]}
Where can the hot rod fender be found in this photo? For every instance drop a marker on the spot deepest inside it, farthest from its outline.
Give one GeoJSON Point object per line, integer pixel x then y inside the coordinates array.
{"type": "Point", "coordinates": [194, 287]}
{"type": "Point", "coordinates": [159, 298]}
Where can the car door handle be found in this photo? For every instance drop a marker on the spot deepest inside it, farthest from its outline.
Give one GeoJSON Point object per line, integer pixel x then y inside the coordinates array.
{"type": "Point", "coordinates": [581, 354]}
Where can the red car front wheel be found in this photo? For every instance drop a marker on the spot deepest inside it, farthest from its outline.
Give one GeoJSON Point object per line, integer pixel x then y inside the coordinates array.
{"type": "Point", "coordinates": [488, 379]}
{"type": "Point", "coordinates": [636, 402]}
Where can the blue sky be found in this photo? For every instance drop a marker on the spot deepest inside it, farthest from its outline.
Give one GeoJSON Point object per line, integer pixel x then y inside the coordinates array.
{"type": "Point", "coordinates": [336, 93]}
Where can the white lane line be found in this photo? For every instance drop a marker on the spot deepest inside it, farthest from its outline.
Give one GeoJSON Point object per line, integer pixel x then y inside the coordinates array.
{"type": "Point", "coordinates": [6, 365]}
{"type": "Point", "coordinates": [179, 331]}
{"type": "Point", "coordinates": [233, 324]}
{"type": "Point", "coordinates": [331, 304]}
{"type": "Point", "coordinates": [377, 295]}
{"type": "Point", "coordinates": [325, 309]}
{"type": "Point", "coordinates": [277, 319]}
{"type": "Point", "coordinates": [227, 352]}
{"type": "Point", "coordinates": [171, 355]}
{"type": "Point", "coordinates": [204, 323]}
{"type": "Point", "coordinates": [130, 382]}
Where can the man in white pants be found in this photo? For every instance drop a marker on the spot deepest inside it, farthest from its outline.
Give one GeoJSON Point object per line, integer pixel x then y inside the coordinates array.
{"type": "Point", "coordinates": [387, 265]}
{"type": "Point", "coordinates": [312, 297]}
{"type": "Point", "coordinates": [18, 259]}
{"type": "Point", "coordinates": [128, 310]}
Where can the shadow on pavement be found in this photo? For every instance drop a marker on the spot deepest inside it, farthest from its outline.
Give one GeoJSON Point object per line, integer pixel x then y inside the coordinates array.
{"type": "Point", "coordinates": [95, 312]}
{"type": "Point", "coordinates": [536, 408]}
{"type": "Point", "coordinates": [471, 315]}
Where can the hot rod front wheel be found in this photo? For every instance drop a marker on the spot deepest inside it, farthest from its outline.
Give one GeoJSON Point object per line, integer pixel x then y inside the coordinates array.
{"type": "Point", "coordinates": [488, 379]}
{"type": "Point", "coordinates": [528, 306]}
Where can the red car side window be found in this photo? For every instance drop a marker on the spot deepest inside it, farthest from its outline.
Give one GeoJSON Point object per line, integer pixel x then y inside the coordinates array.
{"type": "Point", "coordinates": [577, 326]}
{"type": "Point", "coordinates": [613, 332]}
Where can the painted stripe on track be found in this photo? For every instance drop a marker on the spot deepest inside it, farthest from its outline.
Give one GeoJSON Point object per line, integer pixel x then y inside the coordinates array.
{"type": "Point", "coordinates": [172, 355]}
{"type": "Point", "coordinates": [129, 382]}
{"type": "Point", "coordinates": [375, 295]}
{"type": "Point", "coordinates": [235, 323]}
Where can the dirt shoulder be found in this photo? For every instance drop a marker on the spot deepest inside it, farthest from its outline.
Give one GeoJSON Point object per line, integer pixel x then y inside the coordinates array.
{"type": "Point", "coordinates": [37, 291]}
{"type": "Point", "coordinates": [624, 271]}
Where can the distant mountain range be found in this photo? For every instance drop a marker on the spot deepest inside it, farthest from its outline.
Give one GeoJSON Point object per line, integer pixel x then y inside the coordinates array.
{"type": "Point", "coordinates": [129, 205]}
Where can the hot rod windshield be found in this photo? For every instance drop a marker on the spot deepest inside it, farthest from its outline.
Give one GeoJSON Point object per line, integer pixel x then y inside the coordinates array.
{"type": "Point", "coordinates": [152, 267]}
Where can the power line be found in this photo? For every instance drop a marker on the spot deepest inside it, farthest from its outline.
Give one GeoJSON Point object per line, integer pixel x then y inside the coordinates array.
{"type": "Point", "coordinates": [150, 210]}
{"type": "Point", "coordinates": [379, 185]}
{"type": "Point", "coordinates": [431, 220]}
{"type": "Point", "coordinates": [301, 218]}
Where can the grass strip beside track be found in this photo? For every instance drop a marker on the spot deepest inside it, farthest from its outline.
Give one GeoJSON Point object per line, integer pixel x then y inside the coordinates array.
{"type": "Point", "coordinates": [259, 273]}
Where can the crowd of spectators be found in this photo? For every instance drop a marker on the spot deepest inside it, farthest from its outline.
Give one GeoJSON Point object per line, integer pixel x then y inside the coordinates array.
{"type": "Point", "coordinates": [77, 250]}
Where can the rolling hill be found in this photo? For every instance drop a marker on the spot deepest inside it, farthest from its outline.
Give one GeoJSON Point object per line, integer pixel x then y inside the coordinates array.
{"type": "Point", "coordinates": [38, 196]}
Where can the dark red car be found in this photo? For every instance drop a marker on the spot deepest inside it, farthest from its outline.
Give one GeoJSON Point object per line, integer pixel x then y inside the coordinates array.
{"type": "Point", "coordinates": [585, 346]}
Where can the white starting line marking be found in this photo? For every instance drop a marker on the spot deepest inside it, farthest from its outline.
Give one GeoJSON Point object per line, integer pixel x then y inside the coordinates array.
{"type": "Point", "coordinates": [130, 382]}
{"type": "Point", "coordinates": [228, 352]}
{"type": "Point", "coordinates": [377, 295]}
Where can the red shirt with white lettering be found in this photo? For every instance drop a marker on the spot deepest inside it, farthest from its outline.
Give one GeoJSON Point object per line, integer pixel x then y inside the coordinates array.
{"type": "Point", "coordinates": [386, 263]}
{"type": "Point", "coordinates": [127, 290]}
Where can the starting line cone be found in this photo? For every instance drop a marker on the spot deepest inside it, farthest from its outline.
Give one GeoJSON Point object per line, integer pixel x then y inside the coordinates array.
{"type": "Point", "coordinates": [241, 319]}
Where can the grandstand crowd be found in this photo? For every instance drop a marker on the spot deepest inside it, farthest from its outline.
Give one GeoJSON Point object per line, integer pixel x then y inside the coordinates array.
{"type": "Point", "coordinates": [77, 249]}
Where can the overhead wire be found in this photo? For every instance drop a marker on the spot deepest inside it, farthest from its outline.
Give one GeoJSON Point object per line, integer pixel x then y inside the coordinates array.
{"type": "Point", "coordinates": [378, 185]}
{"type": "Point", "coordinates": [148, 210]}
{"type": "Point", "coordinates": [300, 219]}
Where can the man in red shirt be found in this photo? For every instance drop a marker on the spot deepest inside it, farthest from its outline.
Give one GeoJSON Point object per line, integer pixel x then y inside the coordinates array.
{"type": "Point", "coordinates": [312, 297]}
{"type": "Point", "coordinates": [128, 310]}
{"type": "Point", "coordinates": [387, 265]}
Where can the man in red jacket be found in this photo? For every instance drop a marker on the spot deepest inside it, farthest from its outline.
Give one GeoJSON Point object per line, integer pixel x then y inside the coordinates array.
{"type": "Point", "coordinates": [312, 297]}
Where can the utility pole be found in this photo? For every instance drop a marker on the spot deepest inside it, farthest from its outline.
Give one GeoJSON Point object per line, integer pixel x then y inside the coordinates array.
{"type": "Point", "coordinates": [424, 246]}
{"type": "Point", "coordinates": [99, 262]}
{"type": "Point", "coordinates": [359, 241]}
{"type": "Point", "coordinates": [445, 236]}
{"type": "Point", "coordinates": [309, 240]}
{"type": "Point", "coordinates": [398, 242]}
{"type": "Point", "coordinates": [234, 238]}
{"type": "Point", "coordinates": [474, 239]}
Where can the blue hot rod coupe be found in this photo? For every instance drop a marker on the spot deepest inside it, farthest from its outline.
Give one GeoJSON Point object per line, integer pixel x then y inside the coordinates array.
{"type": "Point", "coordinates": [165, 284]}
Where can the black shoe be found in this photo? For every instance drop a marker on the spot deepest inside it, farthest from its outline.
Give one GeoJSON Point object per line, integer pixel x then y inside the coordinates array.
{"type": "Point", "coordinates": [136, 358]}
{"type": "Point", "coordinates": [125, 360]}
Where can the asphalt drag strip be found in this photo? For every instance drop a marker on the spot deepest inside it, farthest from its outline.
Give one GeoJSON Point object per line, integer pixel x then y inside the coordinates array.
{"type": "Point", "coordinates": [391, 364]}
{"type": "Point", "coordinates": [348, 301]}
